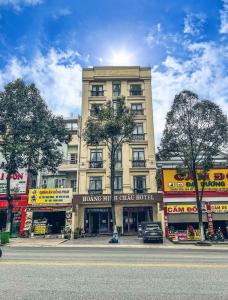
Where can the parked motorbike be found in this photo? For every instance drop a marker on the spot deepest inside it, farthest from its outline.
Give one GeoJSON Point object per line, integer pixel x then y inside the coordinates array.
{"type": "Point", "coordinates": [0, 252]}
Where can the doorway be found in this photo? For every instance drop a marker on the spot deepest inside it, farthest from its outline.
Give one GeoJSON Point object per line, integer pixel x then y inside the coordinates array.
{"type": "Point", "coordinates": [98, 220]}
{"type": "Point", "coordinates": [134, 216]}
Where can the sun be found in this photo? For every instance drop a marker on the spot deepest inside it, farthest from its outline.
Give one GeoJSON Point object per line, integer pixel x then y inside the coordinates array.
{"type": "Point", "coordinates": [121, 58]}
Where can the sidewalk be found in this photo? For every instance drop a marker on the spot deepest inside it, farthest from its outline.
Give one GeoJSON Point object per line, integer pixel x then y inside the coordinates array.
{"type": "Point", "coordinates": [102, 242]}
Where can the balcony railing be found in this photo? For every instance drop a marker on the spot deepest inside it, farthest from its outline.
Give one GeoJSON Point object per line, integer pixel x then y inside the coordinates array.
{"type": "Point", "coordinates": [136, 93]}
{"type": "Point", "coordinates": [138, 163]}
{"type": "Point", "coordinates": [138, 137]}
{"type": "Point", "coordinates": [97, 93]}
{"type": "Point", "coordinates": [140, 190]}
{"type": "Point", "coordinates": [96, 164]}
{"type": "Point", "coordinates": [95, 192]}
{"type": "Point", "coordinates": [70, 162]}
{"type": "Point", "coordinates": [138, 112]}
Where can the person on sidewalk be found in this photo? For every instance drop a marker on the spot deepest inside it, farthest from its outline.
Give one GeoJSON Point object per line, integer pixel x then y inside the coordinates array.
{"type": "Point", "coordinates": [191, 232]}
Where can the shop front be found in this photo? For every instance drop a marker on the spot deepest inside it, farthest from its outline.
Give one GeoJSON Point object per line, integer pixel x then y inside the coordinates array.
{"type": "Point", "coordinates": [49, 212]}
{"type": "Point", "coordinates": [93, 213]}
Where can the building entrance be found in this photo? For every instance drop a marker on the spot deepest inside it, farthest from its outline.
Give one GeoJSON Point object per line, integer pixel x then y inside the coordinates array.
{"type": "Point", "coordinates": [98, 220]}
{"type": "Point", "coordinates": [134, 216]}
{"type": "Point", "coordinates": [55, 220]}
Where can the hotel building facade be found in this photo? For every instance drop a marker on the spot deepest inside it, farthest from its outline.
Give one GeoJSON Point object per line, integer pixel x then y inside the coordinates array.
{"type": "Point", "coordinates": [136, 197]}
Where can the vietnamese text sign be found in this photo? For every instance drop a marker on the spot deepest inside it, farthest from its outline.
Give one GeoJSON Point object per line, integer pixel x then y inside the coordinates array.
{"type": "Point", "coordinates": [216, 180]}
{"type": "Point", "coordinates": [174, 209]}
{"type": "Point", "coordinates": [50, 196]}
{"type": "Point", "coordinates": [18, 182]}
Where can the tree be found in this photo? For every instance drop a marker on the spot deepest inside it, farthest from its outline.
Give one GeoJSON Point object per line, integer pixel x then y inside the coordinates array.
{"type": "Point", "coordinates": [113, 126]}
{"type": "Point", "coordinates": [31, 135]}
{"type": "Point", "coordinates": [195, 131]}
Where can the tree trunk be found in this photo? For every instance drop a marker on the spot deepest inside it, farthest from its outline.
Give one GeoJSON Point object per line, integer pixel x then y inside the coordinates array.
{"type": "Point", "coordinates": [10, 206]}
{"type": "Point", "coordinates": [112, 168]}
{"type": "Point", "coordinates": [199, 205]}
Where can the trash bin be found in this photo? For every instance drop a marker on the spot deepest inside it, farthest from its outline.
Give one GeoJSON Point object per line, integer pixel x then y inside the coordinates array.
{"type": "Point", "coordinates": [5, 237]}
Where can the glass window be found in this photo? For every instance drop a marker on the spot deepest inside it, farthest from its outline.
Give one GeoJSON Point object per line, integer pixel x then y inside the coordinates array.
{"type": "Point", "coordinates": [138, 129]}
{"type": "Point", "coordinates": [97, 90]}
{"type": "Point", "coordinates": [96, 159]}
{"type": "Point", "coordinates": [73, 185]}
{"type": "Point", "coordinates": [138, 154]}
{"type": "Point", "coordinates": [118, 182]}
{"type": "Point", "coordinates": [116, 88]}
{"type": "Point", "coordinates": [95, 183]}
{"type": "Point", "coordinates": [140, 184]}
{"type": "Point", "coordinates": [60, 183]}
{"type": "Point", "coordinates": [137, 108]}
{"type": "Point", "coordinates": [95, 108]}
{"type": "Point", "coordinates": [73, 158]}
{"type": "Point", "coordinates": [135, 89]}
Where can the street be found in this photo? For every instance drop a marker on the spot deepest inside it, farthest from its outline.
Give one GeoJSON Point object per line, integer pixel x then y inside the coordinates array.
{"type": "Point", "coordinates": [109, 273]}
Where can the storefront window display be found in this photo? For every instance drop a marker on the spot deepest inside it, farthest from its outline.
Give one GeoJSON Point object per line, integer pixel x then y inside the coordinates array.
{"type": "Point", "coordinates": [134, 216]}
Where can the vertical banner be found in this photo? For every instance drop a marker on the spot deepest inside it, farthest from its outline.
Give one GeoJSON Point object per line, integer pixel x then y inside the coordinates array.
{"type": "Point", "coordinates": [166, 221]}
{"type": "Point", "coordinates": [210, 219]}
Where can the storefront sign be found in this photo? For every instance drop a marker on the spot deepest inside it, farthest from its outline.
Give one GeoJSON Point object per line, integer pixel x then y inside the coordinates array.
{"type": "Point", "coordinates": [50, 196]}
{"type": "Point", "coordinates": [178, 209]}
{"type": "Point", "coordinates": [18, 182]}
{"type": "Point", "coordinates": [216, 180]}
{"type": "Point", "coordinates": [219, 208]}
{"type": "Point", "coordinates": [118, 198]}
{"type": "Point", "coordinates": [210, 219]}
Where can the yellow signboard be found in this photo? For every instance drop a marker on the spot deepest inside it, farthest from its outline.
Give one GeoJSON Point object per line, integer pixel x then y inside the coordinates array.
{"type": "Point", "coordinates": [50, 196]}
{"type": "Point", "coordinates": [216, 180]}
{"type": "Point", "coordinates": [219, 208]}
{"type": "Point", "coordinates": [173, 209]}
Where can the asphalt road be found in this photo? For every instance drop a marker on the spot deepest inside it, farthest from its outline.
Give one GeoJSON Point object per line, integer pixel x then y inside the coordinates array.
{"type": "Point", "coordinates": [85, 273]}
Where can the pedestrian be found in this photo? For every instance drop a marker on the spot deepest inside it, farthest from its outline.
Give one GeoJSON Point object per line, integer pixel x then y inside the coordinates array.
{"type": "Point", "coordinates": [191, 231]}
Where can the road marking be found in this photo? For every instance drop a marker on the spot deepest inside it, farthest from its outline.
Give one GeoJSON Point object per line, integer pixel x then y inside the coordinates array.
{"type": "Point", "coordinates": [113, 264]}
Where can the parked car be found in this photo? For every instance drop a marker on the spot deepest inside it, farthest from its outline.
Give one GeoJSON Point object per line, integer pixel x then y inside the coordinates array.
{"type": "Point", "coordinates": [152, 232]}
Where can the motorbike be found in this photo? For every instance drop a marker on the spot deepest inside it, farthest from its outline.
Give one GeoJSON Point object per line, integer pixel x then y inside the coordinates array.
{"type": "Point", "coordinates": [0, 252]}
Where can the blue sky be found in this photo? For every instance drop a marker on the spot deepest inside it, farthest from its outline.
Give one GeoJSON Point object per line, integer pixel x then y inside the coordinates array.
{"type": "Point", "coordinates": [50, 41]}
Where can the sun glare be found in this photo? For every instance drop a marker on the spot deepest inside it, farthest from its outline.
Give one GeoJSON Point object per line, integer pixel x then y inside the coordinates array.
{"type": "Point", "coordinates": [121, 58]}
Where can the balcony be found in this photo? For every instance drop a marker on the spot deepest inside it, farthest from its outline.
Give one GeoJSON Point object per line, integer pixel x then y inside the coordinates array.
{"type": "Point", "coordinates": [136, 93]}
{"type": "Point", "coordinates": [95, 192]}
{"type": "Point", "coordinates": [97, 93]}
{"type": "Point", "coordinates": [138, 112]}
{"type": "Point", "coordinates": [68, 165]}
{"type": "Point", "coordinates": [138, 137]}
{"type": "Point", "coordinates": [140, 190]}
{"type": "Point", "coordinates": [96, 164]}
{"type": "Point", "coordinates": [138, 163]}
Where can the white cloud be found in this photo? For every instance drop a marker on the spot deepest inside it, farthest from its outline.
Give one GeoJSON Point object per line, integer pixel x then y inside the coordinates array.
{"type": "Point", "coordinates": [18, 4]}
{"type": "Point", "coordinates": [193, 23]}
{"type": "Point", "coordinates": [57, 75]}
{"type": "Point", "coordinates": [224, 18]}
{"type": "Point", "coordinates": [63, 12]}
{"type": "Point", "coordinates": [204, 73]}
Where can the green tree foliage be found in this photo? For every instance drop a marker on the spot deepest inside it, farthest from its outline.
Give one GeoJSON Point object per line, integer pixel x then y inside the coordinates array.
{"type": "Point", "coordinates": [112, 126]}
{"type": "Point", "coordinates": [31, 135]}
{"type": "Point", "coordinates": [195, 131]}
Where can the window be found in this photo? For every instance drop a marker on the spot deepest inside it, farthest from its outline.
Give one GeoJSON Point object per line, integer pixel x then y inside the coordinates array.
{"type": "Point", "coordinates": [95, 185]}
{"type": "Point", "coordinates": [138, 158]}
{"type": "Point", "coordinates": [73, 158]}
{"type": "Point", "coordinates": [118, 158]}
{"type": "Point", "coordinates": [138, 133]}
{"type": "Point", "coordinates": [137, 109]}
{"type": "Point", "coordinates": [118, 182]}
{"type": "Point", "coordinates": [60, 183]}
{"type": "Point", "coordinates": [95, 108]}
{"type": "Point", "coordinates": [73, 185]}
{"type": "Point", "coordinates": [116, 88]}
{"type": "Point", "coordinates": [44, 183]}
{"type": "Point", "coordinates": [71, 126]}
{"type": "Point", "coordinates": [140, 184]}
{"type": "Point", "coordinates": [135, 90]}
{"type": "Point", "coordinates": [115, 104]}
{"type": "Point", "coordinates": [96, 158]}
{"type": "Point", "coordinates": [97, 90]}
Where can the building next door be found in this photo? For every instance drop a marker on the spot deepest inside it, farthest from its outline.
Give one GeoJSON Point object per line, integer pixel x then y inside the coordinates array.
{"type": "Point", "coordinates": [98, 220]}
{"type": "Point", "coordinates": [134, 216]}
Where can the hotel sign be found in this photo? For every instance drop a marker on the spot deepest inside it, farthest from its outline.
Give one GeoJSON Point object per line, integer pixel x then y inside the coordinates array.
{"type": "Point", "coordinates": [80, 199]}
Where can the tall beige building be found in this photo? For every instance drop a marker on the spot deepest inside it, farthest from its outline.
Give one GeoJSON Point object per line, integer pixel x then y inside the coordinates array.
{"type": "Point", "coordinates": [135, 186]}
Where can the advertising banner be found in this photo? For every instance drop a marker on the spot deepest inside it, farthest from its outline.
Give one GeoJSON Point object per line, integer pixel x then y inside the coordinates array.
{"type": "Point", "coordinates": [18, 182]}
{"type": "Point", "coordinates": [216, 180]}
{"type": "Point", "coordinates": [177, 209]}
{"type": "Point", "coordinates": [50, 196]}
